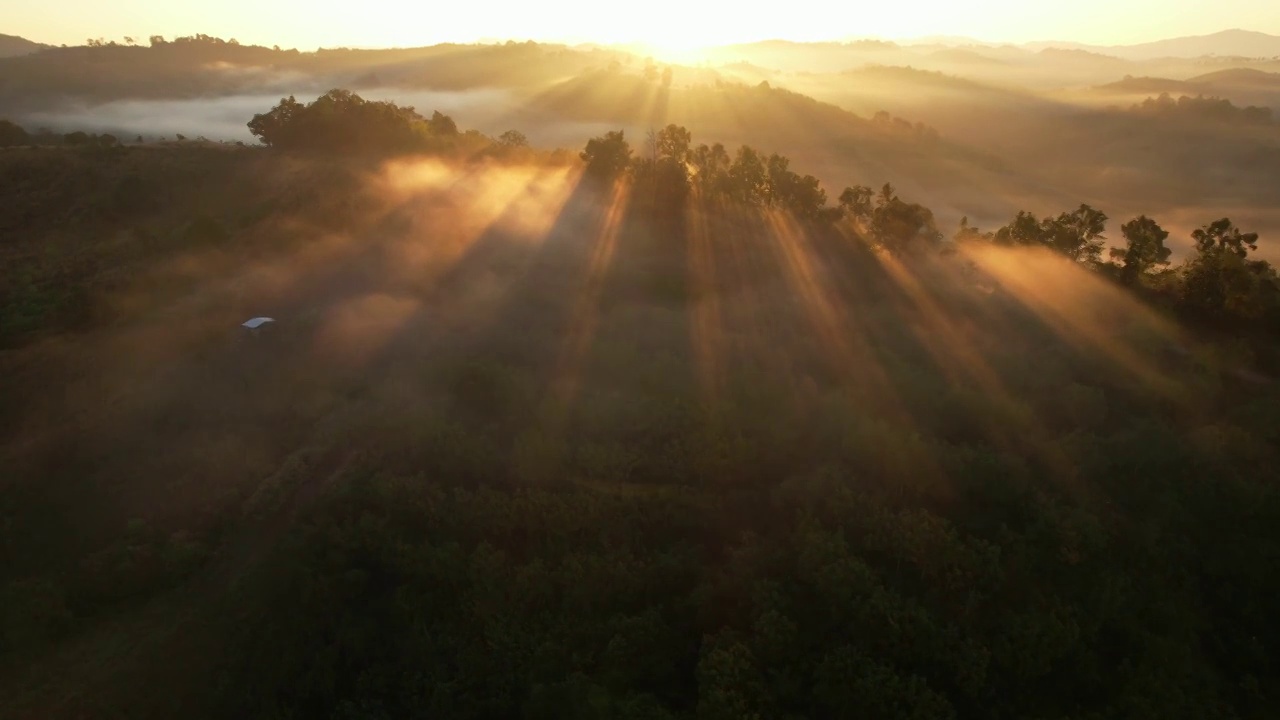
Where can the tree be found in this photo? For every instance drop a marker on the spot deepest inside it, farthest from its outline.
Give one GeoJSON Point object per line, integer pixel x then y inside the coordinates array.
{"type": "Point", "coordinates": [900, 227]}
{"type": "Point", "coordinates": [886, 195]}
{"type": "Point", "coordinates": [1144, 248]}
{"type": "Point", "coordinates": [1024, 230]}
{"type": "Point", "coordinates": [1223, 236]}
{"type": "Point", "coordinates": [970, 233]}
{"type": "Point", "coordinates": [607, 156]}
{"type": "Point", "coordinates": [673, 143]}
{"type": "Point", "coordinates": [1077, 234]}
{"type": "Point", "coordinates": [342, 121]}
{"type": "Point", "coordinates": [856, 202]}
{"type": "Point", "coordinates": [1220, 282]}
{"type": "Point", "coordinates": [748, 177]}
{"type": "Point", "coordinates": [803, 196]}
{"type": "Point", "coordinates": [278, 127]}
{"type": "Point", "coordinates": [711, 167]}
{"type": "Point", "coordinates": [513, 139]}
{"type": "Point", "coordinates": [666, 76]}
{"type": "Point", "coordinates": [778, 168]}
{"type": "Point", "coordinates": [441, 124]}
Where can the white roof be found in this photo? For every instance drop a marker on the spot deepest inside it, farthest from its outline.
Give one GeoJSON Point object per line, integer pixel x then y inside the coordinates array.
{"type": "Point", "coordinates": [256, 322]}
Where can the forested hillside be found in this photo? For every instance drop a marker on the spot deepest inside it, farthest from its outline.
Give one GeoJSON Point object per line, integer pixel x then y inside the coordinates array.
{"type": "Point", "coordinates": [667, 429]}
{"type": "Point", "coordinates": [972, 131]}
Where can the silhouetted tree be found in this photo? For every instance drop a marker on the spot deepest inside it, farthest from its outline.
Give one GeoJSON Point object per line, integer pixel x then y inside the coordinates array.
{"type": "Point", "coordinates": [748, 177]}
{"type": "Point", "coordinates": [970, 233]}
{"type": "Point", "coordinates": [1024, 230]}
{"type": "Point", "coordinates": [711, 167]}
{"type": "Point", "coordinates": [280, 126]}
{"type": "Point", "coordinates": [1221, 283]}
{"type": "Point", "coordinates": [441, 124]}
{"type": "Point", "coordinates": [673, 143]}
{"type": "Point", "coordinates": [856, 202]}
{"type": "Point", "coordinates": [1077, 234]}
{"type": "Point", "coordinates": [803, 196]}
{"type": "Point", "coordinates": [1223, 236]}
{"type": "Point", "coordinates": [607, 156]}
{"type": "Point", "coordinates": [342, 121]}
{"type": "Point", "coordinates": [900, 227]}
{"type": "Point", "coordinates": [513, 138]}
{"type": "Point", "coordinates": [1144, 248]}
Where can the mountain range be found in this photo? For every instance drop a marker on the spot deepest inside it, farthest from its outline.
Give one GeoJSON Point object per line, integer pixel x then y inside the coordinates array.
{"type": "Point", "coordinates": [1227, 43]}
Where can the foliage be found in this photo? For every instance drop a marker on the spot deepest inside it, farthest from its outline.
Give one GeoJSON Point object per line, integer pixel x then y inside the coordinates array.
{"type": "Point", "coordinates": [749, 178]}
{"type": "Point", "coordinates": [607, 156]}
{"type": "Point", "coordinates": [1200, 107]}
{"type": "Point", "coordinates": [1221, 283]}
{"type": "Point", "coordinates": [341, 121]}
{"type": "Point", "coordinates": [900, 227]}
{"type": "Point", "coordinates": [856, 202]}
{"type": "Point", "coordinates": [1077, 234]}
{"type": "Point", "coordinates": [513, 138]}
{"type": "Point", "coordinates": [893, 494]}
{"type": "Point", "coordinates": [1144, 248]}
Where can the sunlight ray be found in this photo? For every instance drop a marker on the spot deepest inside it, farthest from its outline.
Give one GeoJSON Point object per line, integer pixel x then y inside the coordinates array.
{"type": "Point", "coordinates": [1082, 309]}
{"type": "Point", "coordinates": [947, 337]}
{"type": "Point", "coordinates": [521, 202]}
{"type": "Point", "coordinates": [842, 337]}
{"type": "Point", "coordinates": [706, 323]}
{"type": "Point", "coordinates": [585, 313]}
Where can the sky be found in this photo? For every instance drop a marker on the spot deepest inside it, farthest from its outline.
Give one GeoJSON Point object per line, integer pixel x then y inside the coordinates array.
{"type": "Point", "coordinates": [673, 24]}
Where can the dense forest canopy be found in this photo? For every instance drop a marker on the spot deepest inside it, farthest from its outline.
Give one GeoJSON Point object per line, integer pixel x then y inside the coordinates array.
{"type": "Point", "coordinates": [670, 426]}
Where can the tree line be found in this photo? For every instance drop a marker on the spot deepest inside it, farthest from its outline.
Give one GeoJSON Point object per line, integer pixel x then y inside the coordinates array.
{"type": "Point", "coordinates": [14, 135]}
{"type": "Point", "coordinates": [1220, 282]}
{"type": "Point", "coordinates": [342, 121]}
{"type": "Point", "coordinates": [1208, 108]}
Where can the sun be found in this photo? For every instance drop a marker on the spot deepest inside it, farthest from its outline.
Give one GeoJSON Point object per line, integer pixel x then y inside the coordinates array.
{"type": "Point", "coordinates": [675, 50]}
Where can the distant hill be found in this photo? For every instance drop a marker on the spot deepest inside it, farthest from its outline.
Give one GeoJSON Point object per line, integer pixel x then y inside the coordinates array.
{"type": "Point", "coordinates": [209, 67]}
{"type": "Point", "coordinates": [1228, 43]}
{"type": "Point", "coordinates": [1150, 86]}
{"type": "Point", "coordinates": [1243, 86]}
{"type": "Point", "coordinates": [12, 45]}
{"type": "Point", "coordinates": [1080, 57]}
{"type": "Point", "coordinates": [1243, 76]}
{"type": "Point", "coordinates": [962, 56]}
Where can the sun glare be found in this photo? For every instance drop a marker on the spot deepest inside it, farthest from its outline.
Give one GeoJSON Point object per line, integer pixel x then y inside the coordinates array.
{"type": "Point", "coordinates": [676, 49]}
